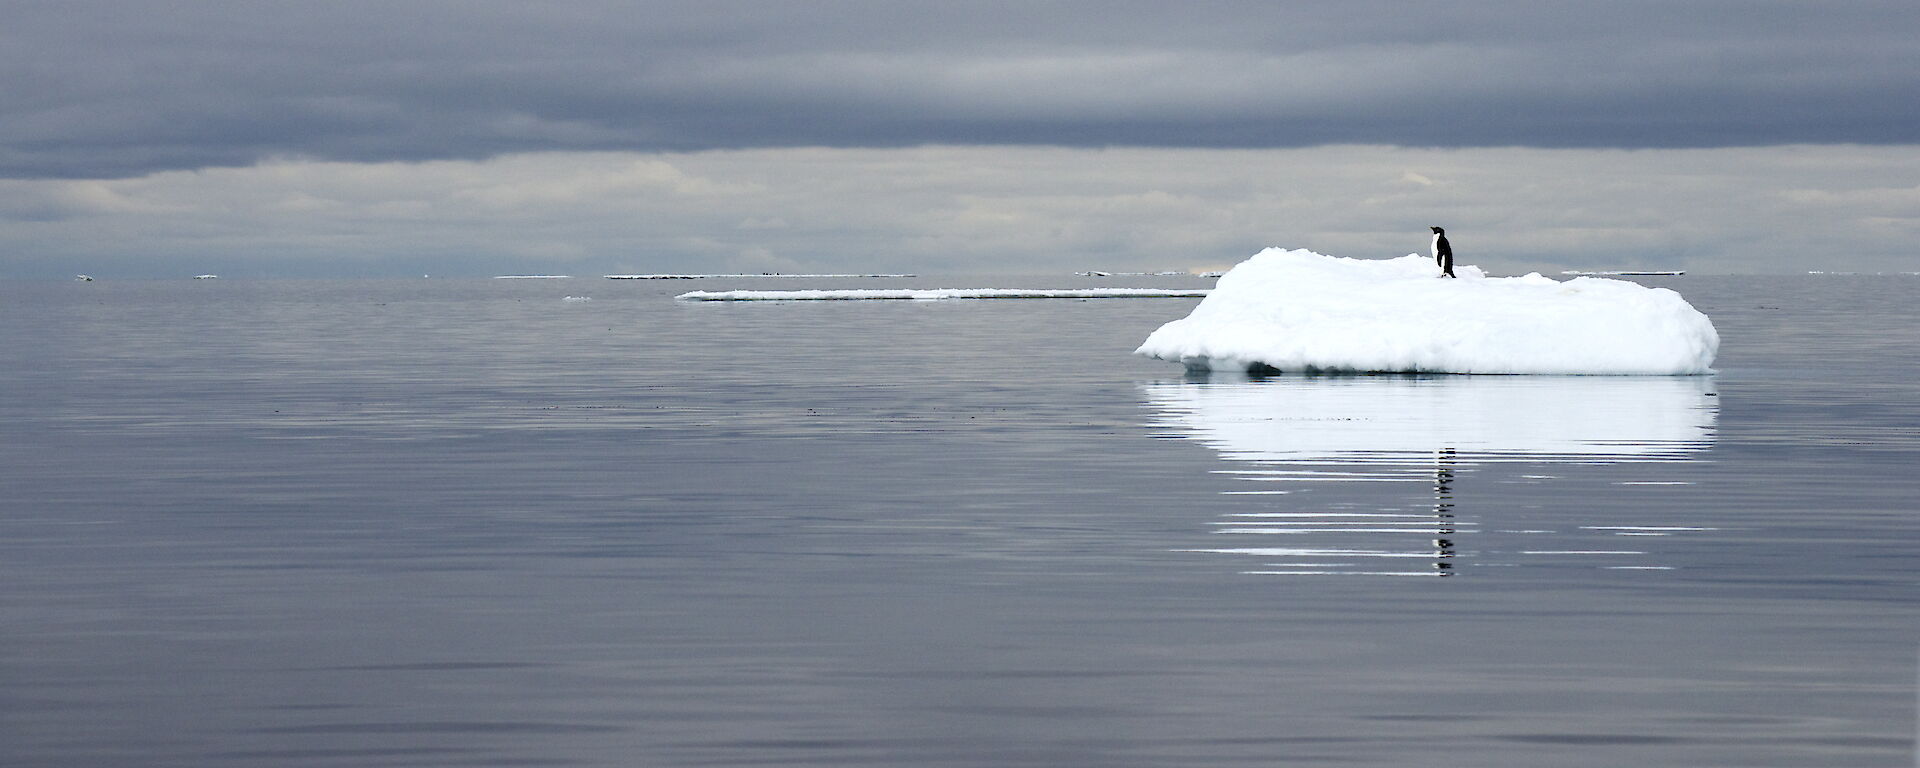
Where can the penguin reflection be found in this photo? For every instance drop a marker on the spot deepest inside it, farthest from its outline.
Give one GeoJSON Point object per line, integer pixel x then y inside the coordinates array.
{"type": "Point", "coordinates": [1443, 511]}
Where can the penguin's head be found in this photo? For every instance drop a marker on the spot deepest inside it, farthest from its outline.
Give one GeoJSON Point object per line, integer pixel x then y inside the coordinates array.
{"type": "Point", "coordinates": [1437, 230]}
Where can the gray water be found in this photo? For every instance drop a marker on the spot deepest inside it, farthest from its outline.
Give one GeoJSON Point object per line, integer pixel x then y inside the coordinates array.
{"type": "Point", "coordinates": [467, 523]}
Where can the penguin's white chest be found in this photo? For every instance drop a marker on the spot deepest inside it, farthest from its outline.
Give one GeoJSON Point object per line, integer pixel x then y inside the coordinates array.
{"type": "Point", "coordinates": [1435, 248]}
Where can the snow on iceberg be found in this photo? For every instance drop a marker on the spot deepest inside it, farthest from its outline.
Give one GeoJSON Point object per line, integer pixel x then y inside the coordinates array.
{"type": "Point", "coordinates": [1301, 311]}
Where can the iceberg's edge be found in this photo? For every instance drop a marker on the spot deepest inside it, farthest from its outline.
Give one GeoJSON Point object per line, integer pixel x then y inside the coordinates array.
{"type": "Point", "coordinates": [1202, 364]}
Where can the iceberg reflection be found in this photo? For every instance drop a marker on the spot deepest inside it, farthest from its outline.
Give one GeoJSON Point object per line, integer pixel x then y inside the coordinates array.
{"type": "Point", "coordinates": [1301, 433]}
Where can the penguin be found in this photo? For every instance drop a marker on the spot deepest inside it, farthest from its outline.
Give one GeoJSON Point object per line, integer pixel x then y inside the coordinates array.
{"type": "Point", "coordinates": [1442, 252]}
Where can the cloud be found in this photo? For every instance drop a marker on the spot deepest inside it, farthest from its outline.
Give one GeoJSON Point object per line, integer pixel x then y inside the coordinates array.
{"type": "Point", "coordinates": [978, 209]}
{"type": "Point", "coordinates": [110, 90]}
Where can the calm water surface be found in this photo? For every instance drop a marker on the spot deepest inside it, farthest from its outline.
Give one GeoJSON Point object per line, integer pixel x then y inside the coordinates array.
{"type": "Point", "coordinates": [469, 523]}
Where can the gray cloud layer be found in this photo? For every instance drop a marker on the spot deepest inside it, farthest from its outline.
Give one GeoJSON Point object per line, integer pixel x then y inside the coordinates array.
{"type": "Point", "coordinates": [977, 209]}
{"type": "Point", "coordinates": [121, 89]}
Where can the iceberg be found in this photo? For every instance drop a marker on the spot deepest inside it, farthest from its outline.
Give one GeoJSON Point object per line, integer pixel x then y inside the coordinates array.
{"type": "Point", "coordinates": [1300, 311]}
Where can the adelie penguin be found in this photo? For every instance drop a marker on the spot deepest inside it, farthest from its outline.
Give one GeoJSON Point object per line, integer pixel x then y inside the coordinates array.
{"type": "Point", "coordinates": [1442, 252]}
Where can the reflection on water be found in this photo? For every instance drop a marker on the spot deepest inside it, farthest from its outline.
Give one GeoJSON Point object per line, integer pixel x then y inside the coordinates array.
{"type": "Point", "coordinates": [1297, 433]}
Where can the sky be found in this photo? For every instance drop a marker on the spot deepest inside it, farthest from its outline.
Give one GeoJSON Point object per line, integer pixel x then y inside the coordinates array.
{"type": "Point", "coordinates": [345, 139]}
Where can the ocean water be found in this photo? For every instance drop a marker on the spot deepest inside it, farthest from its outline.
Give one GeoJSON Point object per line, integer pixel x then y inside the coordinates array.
{"type": "Point", "coordinates": [471, 523]}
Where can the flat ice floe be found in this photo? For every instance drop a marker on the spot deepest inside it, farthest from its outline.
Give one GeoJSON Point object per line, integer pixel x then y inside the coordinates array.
{"type": "Point", "coordinates": [1302, 311]}
{"type": "Point", "coordinates": [758, 274]}
{"type": "Point", "coordinates": [944, 293]}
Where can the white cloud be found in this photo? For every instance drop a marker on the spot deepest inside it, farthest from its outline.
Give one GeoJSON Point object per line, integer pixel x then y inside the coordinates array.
{"type": "Point", "coordinates": [1027, 209]}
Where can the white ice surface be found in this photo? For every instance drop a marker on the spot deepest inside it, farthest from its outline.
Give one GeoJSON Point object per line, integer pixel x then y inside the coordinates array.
{"type": "Point", "coordinates": [1302, 311]}
{"type": "Point", "coordinates": [945, 293]}
{"type": "Point", "coordinates": [703, 277]}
